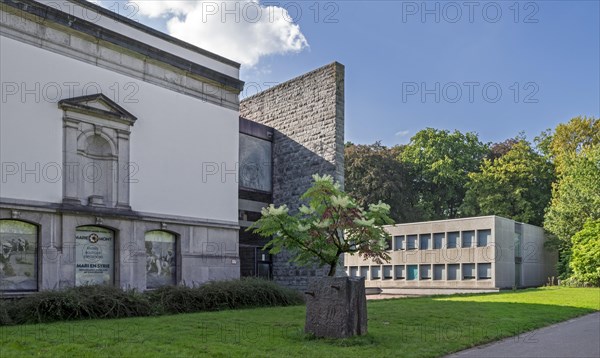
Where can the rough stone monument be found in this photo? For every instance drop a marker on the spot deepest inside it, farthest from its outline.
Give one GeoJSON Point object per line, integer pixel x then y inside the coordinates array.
{"type": "Point", "coordinates": [336, 307]}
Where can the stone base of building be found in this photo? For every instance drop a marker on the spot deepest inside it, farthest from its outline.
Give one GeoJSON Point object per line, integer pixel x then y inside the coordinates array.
{"type": "Point", "coordinates": [52, 246]}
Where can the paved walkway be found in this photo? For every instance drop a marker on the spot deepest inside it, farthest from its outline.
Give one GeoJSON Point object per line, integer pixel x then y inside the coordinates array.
{"type": "Point", "coordinates": [576, 338]}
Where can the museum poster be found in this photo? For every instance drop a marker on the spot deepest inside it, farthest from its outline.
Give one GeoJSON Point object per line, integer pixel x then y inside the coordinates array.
{"type": "Point", "coordinates": [161, 262]}
{"type": "Point", "coordinates": [18, 256]}
{"type": "Point", "coordinates": [94, 256]}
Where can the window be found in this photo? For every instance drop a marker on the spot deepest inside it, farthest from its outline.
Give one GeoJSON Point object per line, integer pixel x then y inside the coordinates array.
{"type": "Point", "coordinates": [438, 272]}
{"type": "Point", "coordinates": [161, 259]}
{"type": "Point", "coordinates": [399, 242]}
{"type": "Point", "coordinates": [425, 272]}
{"type": "Point", "coordinates": [411, 242]}
{"type": "Point", "coordinates": [388, 243]}
{"type": "Point", "coordinates": [263, 261]}
{"type": "Point", "coordinates": [484, 271]}
{"type": "Point", "coordinates": [467, 238]}
{"type": "Point", "coordinates": [387, 272]}
{"type": "Point", "coordinates": [375, 272]}
{"type": "Point", "coordinates": [483, 237]}
{"type": "Point", "coordinates": [18, 256]}
{"type": "Point", "coordinates": [438, 240]}
{"type": "Point", "coordinates": [468, 271]}
{"type": "Point", "coordinates": [425, 241]}
{"type": "Point", "coordinates": [353, 271]}
{"type": "Point", "coordinates": [413, 272]}
{"type": "Point", "coordinates": [364, 272]}
{"type": "Point", "coordinates": [518, 239]}
{"type": "Point", "coordinates": [453, 240]}
{"type": "Point", "coordinates": [453, 271]}
{"type": "Point", "coordinates": [94, 256]}
{"type": "Point", "coordinates": [399, 272]}
{"type": "Point", "coordinates": [255, 169]}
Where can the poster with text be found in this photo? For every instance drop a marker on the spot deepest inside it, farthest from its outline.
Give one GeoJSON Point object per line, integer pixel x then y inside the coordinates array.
{"type": "Point", "coordinates": [94, 256]}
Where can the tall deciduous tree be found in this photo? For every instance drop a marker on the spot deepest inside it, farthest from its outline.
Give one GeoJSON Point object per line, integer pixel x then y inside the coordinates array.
{"type": "Point", "coordinates": [576, 195]}
{"type": "Point", "coordinates": [516, 185]}
{"type": "Point", "coordinates": [374, 174]}
{"type": "Point", "coordinates": [570, 139]}
{"type": "Point", "coordinates": [441, 161]}
{"type": "Point", "coordinates": [575, 149]}
{"type": "Point", "coordinates": [332, 224]}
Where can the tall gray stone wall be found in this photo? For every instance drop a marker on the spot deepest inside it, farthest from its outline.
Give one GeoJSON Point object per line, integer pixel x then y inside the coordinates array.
{"type": "Point", "coordinates": [307, 114]}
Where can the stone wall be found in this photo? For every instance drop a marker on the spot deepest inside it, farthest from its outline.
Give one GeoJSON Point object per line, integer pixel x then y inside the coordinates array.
{"type": "Point", "coordinates": [307, 115]}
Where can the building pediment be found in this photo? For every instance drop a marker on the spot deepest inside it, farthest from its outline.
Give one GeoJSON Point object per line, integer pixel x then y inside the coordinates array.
{"type": "Point", "coordinates": [97, 105]}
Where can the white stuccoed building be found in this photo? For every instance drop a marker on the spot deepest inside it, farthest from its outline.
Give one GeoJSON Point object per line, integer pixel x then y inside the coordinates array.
{"type": "Point", "coordinates": [125, 160]}
{"type": "Point", "coordinates": [118, 147]}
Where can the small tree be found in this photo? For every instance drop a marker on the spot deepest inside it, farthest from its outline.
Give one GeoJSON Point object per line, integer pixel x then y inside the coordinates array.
{"type": "Point", "coordinates": [332, 224]}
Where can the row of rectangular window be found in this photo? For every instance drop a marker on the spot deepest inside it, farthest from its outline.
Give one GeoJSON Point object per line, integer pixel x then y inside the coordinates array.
{"type": "Point", "coordinates": [441, 272]}
{"type": "Point", "coordinates": [440, 240]}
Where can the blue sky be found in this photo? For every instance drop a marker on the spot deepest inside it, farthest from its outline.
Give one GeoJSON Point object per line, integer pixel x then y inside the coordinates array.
{"type": "Point", "coordinates": [542, 55]}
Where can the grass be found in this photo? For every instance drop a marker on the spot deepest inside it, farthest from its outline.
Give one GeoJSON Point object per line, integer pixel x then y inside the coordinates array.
{"type": "Point", "coordinates": [410, 327]}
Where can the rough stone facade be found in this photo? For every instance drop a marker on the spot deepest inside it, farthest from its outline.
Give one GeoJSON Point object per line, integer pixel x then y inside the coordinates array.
{"type": "Point", "coordinates": [307, 115]}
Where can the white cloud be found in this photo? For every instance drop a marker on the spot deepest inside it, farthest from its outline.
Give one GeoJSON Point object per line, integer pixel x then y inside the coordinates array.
{"type": "Point", "coordinates": [165, 8]}
{"type": "Point", "coordinates": [402, 133]}
{"type": "Point", "coordinates": [242, 30]}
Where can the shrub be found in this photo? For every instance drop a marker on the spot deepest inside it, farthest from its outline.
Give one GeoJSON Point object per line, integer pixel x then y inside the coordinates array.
{"type": "Point", "coordinates": [92, 302]}
{"type": "Point", "coordinates": [219, 295]}
{"type": "Point", "coordinates": [585, 257]}
{"type": "Point", "coordinates": [4, 314]}
{"type": "Point", "coordinates": [248, 293]}
{"type": "Point", "coordinates": [175, 299]}
{"type": "Point", "coordinates": [85, 302]}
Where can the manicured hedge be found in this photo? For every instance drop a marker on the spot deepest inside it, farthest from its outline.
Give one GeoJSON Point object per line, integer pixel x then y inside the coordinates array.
{"type": "Point", "coordinates": [221, 295]}
{"type": "Point", "coordinates": [93, 302]}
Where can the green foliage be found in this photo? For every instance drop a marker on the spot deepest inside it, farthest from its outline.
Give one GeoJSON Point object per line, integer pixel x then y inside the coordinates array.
{"type": "Point", "coordinates": [373, 174]}
{"type": "Point", "coordinates": [516, 185]}
{"type": "Point", "coordinates": [219, 295]}
{"type": "Point", "coordinates": [332, 224]}
{"type": "Point", "coordinates": [575, 149]}
{"type": "Point", "coordinates": [441, 161]}
{"type": "Point", "coordinates": [585, 258]}
{"type": "Point", "coordinates": [564, 258]}
{"type": "Point", "coordinates": [86, 302]}
{"type": "Point", "coordinates": [498, 150]}
{"type": "Point", "coordinates": [94, 302]}
{"type": "Point", "coordinates": [572, 138]}
{"type": "Point", "coordinates": [576, 196]}
{"type": "Point", "coordinates": [408, 327]}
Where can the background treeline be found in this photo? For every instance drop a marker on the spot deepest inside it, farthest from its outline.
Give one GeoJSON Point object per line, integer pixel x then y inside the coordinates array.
{"type": "Point", "coordinates": [552, 181]}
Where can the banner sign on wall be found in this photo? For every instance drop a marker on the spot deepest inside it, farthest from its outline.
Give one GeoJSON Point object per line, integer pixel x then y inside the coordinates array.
{"type": "Point", "coordinates": [18, 256]}
{"type": "Point", "coordinates": [94, 257]}
{"type": "Point", "coordinates": [160, 259]}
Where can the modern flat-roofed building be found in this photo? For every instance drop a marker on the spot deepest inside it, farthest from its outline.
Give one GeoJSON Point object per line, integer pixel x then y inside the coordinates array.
{"type": "Point", "coordinates": [488, 252]}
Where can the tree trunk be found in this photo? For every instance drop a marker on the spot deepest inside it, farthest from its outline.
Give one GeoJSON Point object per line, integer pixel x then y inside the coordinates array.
{"type": "Point", "coordinates": [332, 268]}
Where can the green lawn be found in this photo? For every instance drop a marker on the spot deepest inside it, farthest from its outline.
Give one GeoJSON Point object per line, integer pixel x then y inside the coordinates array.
{"type": "Point", "coordinates": [411, 327]}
